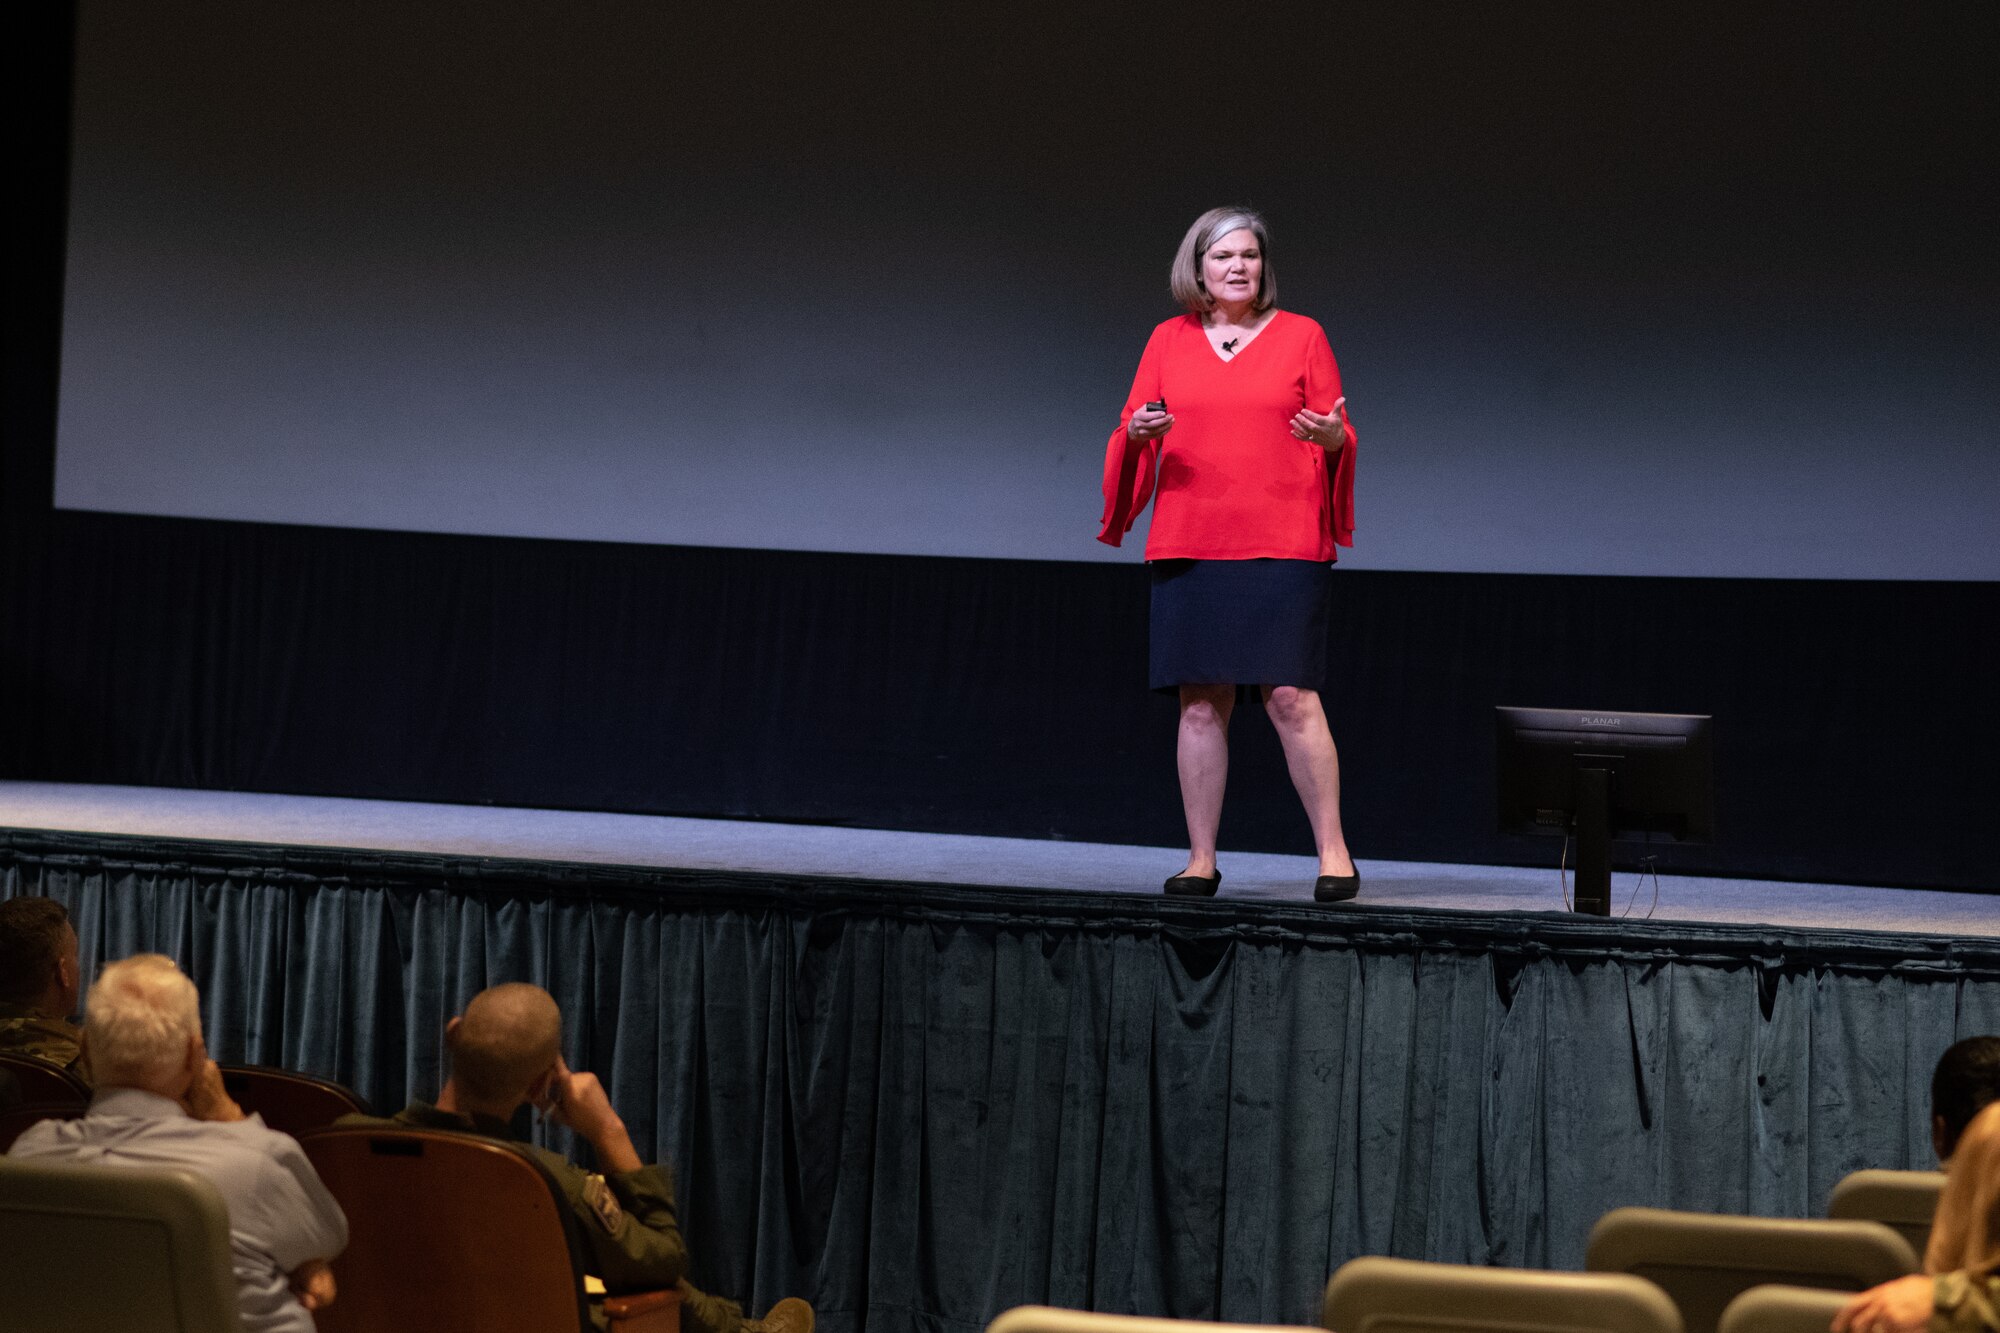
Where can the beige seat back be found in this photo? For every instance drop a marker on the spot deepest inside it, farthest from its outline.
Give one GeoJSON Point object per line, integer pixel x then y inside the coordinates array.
{"type": "Point", "coordinates": [1049, 1319]}
{"type": "Point", "coordinates": [137, 1249]}
{"type": "Point", "coordinates": [1705, 1260]}
{"type": "Point", "coordinates": [1375, 1295]}
{"type": "Point", "coordinates": [1904, 1201]}
{"type": "Point", "coordinates": [1783, 1310]}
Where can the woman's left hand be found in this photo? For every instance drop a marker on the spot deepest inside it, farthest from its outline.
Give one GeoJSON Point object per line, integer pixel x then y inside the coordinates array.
{"type": "Point", "coordinates": [1327, 430]}
{"type": "Point", "coordinates": [1901, 1306]}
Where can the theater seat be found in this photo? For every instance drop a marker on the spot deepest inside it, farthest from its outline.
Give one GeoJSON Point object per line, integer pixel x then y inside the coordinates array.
{"type": "Point", "coordinates": [289, 1102]}
{"type": "Point", "coordinates": [457, 1232]}
{"type": "Point", "coordinates": [1374, 1295]}
{"type": "Point", "coordinates": [1904, 1201]}
{"type": "Point", "coordinates": [1050, 1319]}
{"type": "Point", "coordinates": [1703, 1261]}
{"type": "Point", "coordinates": [1783, 1310]}
{"type": "Point", "coordinates": [136, 1249]}
{"type": "Point", "coordinates": [44, 1080]}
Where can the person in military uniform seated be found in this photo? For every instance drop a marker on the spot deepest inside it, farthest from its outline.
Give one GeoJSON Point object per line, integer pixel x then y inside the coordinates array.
{"type": "Point", "coordinates": [505, 1050]}
{"type": "Point", "coordinates": [40, 981]}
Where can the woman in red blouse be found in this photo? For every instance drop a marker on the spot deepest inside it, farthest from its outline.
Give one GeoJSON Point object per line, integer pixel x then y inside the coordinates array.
{"type": "Point", "coordinates": [1237, 407]}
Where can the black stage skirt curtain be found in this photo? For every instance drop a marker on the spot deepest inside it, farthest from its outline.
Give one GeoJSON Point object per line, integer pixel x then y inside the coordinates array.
{"type": "Point", "coordinates": [919, 1106]}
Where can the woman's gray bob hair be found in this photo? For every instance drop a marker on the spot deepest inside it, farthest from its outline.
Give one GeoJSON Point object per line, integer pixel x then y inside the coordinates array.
{"type": "Point", "coordinates": [1209, 228]}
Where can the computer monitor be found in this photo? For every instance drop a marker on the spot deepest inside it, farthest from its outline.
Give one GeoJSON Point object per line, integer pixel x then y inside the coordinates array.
{"type": "Point", "coordinates": [1603, 775]}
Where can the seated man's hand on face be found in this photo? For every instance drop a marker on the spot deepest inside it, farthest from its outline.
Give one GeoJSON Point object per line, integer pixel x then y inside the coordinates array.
{"type": "Point", "coordinates": [312, 1283]}
{"type": "Point", "coordinates": [578, 1101]}
{"type": "Point", "coordinates": [1901, 1306]}
{"type": "Point", "coordinates": [207, 1099]}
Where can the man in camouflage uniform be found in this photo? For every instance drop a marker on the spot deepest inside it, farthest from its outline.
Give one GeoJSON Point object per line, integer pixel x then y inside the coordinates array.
{"type": "Point", "coordinates": [40, 981]}
{"type": "Point", "coordinates": [506, 1050]}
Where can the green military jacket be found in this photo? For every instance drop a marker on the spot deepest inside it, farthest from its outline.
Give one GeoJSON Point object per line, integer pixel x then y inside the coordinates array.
{"type": "Point", "coordinates": [24, 1032]}
{"type": "Point", "coordinates": [1966, 1303]}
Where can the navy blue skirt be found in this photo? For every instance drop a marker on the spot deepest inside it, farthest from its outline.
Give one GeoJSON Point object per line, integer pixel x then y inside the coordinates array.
{"type": "Point", "coordinates": [1240, 622]}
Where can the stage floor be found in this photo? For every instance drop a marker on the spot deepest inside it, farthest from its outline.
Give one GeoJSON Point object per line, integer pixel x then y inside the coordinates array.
{"type": "Point", "coordinates": [873, 854]}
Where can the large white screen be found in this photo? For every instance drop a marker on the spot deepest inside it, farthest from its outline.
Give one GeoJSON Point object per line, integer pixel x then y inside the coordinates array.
{"type": "Point", "coordinates": [511, 271]}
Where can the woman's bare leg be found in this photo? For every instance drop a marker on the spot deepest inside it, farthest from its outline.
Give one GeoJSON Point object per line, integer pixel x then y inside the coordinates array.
{"type": "Point", "coordinates": [1202, 752]}
{"type": "Point", "coordinates": [1315, 764]}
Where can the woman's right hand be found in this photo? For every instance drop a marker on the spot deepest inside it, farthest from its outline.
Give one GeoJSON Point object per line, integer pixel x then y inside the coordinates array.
{"type": "Point", "coordinates": [1148, 424]}
{"type": "Point", "coordinates": [1902, 1305]}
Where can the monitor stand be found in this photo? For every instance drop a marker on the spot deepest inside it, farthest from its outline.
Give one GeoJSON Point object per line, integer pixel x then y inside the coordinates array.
{"type": "Point", "coordinates": [1593, 841]}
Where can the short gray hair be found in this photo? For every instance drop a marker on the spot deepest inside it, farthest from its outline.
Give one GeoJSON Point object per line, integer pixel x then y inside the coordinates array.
{"type": "Point", "coordinates": [138, 1018]}
{"type": "Point", "coordinates": [1185, 280]}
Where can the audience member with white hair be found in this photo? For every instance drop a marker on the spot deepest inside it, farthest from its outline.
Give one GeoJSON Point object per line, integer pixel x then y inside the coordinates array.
{"type": "Point", "coordinates": [160, 1102]}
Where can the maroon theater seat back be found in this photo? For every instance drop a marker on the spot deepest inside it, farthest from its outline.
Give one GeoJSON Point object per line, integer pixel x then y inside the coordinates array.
{"type": "Point", "coordinates": [446, 1231]}
{"type": "Point", "coordinates": [44, 1081]}
{"type": "Point", "coordinates": [292, 1103]}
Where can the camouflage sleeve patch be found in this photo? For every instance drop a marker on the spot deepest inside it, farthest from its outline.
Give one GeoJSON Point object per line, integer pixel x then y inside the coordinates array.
{"type": "Point", "coordinates": [603, 1203]}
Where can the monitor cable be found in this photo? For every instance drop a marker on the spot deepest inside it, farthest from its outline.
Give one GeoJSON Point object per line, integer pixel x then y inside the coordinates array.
{"type": "Point", "coordinates": [1651, 866]}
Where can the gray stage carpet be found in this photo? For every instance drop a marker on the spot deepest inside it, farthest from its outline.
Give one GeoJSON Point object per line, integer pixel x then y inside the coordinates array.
{"type": "Point", "coordinates": [873, 854]}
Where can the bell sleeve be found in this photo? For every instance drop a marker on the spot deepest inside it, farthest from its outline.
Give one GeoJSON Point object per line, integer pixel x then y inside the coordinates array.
{"type": "Point", "coordinates": [1322, 391]}
{"type": "Point", "coordinates": [1129, 463]}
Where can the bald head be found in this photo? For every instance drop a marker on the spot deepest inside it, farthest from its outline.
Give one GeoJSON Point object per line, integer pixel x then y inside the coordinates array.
{"type": "Point", "coordinates": [508, 1037]}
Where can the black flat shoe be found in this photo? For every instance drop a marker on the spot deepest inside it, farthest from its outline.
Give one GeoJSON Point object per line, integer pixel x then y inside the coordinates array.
{"type": "Point", "coordinates": [1194, 886]}
{"type": "Point", "coordinates": [1336, 888]}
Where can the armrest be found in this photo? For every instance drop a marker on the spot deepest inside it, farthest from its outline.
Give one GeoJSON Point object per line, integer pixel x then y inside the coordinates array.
{"type": "Point", "coordinates": [644, 1312]}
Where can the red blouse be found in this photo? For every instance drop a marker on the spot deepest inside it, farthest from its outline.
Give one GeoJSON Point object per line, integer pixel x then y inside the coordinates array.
{"type": "Point", "coordinates": [1234, 482]}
